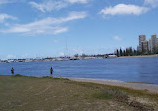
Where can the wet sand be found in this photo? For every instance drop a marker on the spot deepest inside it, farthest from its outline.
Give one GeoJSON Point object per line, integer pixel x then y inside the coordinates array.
{"type": "Point", "coordinates": [153, 88]}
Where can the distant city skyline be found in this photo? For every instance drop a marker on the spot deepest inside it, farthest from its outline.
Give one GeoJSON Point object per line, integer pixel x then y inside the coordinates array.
{"type": "Point", "coordinates": [148, 46]}
{"type": "Point", "coordinates": [52, 28]}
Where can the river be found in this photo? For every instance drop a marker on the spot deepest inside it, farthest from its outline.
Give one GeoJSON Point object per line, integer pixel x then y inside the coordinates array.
{"type": "Point", "coordinates": [136, 69]}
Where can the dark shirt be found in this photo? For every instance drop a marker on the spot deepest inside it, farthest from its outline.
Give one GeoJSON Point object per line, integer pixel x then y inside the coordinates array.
{"type": "Point", "coordinates": [51, 70]}
{"type": "Point", "coordinates": [12, 70]}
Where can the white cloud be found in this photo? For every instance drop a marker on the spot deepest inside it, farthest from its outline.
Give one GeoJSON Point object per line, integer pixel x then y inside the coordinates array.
{"type": "Point", "coordinates": [153, 3]}
{"type": "Point", "coordinates": [50, 5]}
{"type": "Point", "coordinates": [117, 38]}
{"type": "Point", "coordinates": [3, 17]}
{"type": "Point", "coordinates": [77, 1]}
{"type": "Point", "coordinates": [123, 9]}
{"type": "Point", "coordinates": [45, 26]}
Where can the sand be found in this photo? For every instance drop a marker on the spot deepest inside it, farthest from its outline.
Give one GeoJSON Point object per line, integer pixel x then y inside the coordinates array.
{"type": "Point", "coordinates": [152, 88]}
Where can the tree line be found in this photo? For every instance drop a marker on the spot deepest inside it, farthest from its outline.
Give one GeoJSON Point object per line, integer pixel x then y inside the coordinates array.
{"type": "Point", "coordinates": [132, 52]}
{"type": "Point", "coordinates": [127, 52]}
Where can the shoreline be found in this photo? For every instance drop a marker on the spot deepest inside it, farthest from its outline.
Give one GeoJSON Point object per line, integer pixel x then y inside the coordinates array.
{"type": "Point", "coordinates": [69, 59]}
{"type": "Point", "coordinates": [156, 55]}
{"type": "Point", "coordinates": [152, 88]}
{"type": "Point", "coordinates": [149, 87]}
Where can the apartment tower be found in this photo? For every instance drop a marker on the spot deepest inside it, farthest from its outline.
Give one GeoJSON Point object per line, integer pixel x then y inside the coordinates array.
{"type": "Point", "coordinates": [153, 43]}
{"type": "Point", "coordinates": [141, 39]}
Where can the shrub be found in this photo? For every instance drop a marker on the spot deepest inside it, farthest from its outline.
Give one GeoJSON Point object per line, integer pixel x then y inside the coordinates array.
{"type": "Point", "coordinates": [18, 75]}
{"type": "Point", "coordinates": [111, 94]}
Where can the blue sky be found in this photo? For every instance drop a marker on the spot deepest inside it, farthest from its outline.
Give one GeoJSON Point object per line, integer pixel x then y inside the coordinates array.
{"type": "Point", "coordinates": [44, 28]}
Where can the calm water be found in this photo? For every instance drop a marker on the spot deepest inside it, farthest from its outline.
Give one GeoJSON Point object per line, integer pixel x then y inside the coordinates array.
{"type": "Point", "coordinates": [139, 69]}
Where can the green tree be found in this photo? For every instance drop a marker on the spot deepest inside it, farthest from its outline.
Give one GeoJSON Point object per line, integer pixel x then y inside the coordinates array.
{"type": "Point", "coordinates": [130, 51]}
{"type": "Point", "coordinates": [134, 52]}
{"type": "Point", "coordinates": [76, 55]}
{"type": "Point", "coordinates": [121, 54]}
{"type": "Point", "coordinates": [124, 52]}
{"type": "Point", "coordinates": [127, 52]}
{"type": "Point", "coordinates": [83, 55]}
{"type": "Point", "coordinates": [117, 53]}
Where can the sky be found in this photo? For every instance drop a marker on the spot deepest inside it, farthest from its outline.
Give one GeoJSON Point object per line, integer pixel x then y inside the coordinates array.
{"type": "Point", "coordinates": [52, 28]}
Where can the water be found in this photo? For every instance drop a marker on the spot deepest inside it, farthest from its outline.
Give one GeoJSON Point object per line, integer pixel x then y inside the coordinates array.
{"type": "Point", "coordinates": [138, 69]}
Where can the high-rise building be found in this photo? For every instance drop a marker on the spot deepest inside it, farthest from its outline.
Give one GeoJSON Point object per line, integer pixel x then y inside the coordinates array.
{"type": "Point", "coordinates": [149, 44]}
{"type": "Point", "coordinates": [157, 44]}
{"type": "Point", "coordinates": [141, 39]}
{"type": "Point", "coordinates": [145, 47]}
{"type": "Point", "coordinates": [153, 43]}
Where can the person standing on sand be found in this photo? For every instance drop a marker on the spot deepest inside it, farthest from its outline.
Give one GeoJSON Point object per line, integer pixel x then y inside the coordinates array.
{"type": "Point", "coordinates": [12, 71]}
{"type": "Point", "coordinates": [51, 71]}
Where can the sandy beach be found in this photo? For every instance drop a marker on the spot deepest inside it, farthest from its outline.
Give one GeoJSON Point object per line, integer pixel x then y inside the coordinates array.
{"type": "Point", "coordinates": [152, 88]}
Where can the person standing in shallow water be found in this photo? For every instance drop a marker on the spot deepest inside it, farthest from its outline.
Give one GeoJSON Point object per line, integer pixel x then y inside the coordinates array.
{"type": "Point", "coordinates": [51, 72]}
{"type": "Point", "coordinates": [12, 71]}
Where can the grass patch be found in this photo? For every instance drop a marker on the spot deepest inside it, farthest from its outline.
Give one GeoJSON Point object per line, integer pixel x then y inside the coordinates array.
{"type": "Point", "coordinates": [136, 93]}
{"type": "Point", "coordinates": [111, 94]}
{"type": "Point", "coordinates": [140, 106]}
{"type": "Point", "coordinates": [47, 93]}
{"type": "Point", "coordinates": [18, 75]}
{"type": "Point", "coordinates": [121, 96]}
{"type": "Point", "coordinates": [47, 77]}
